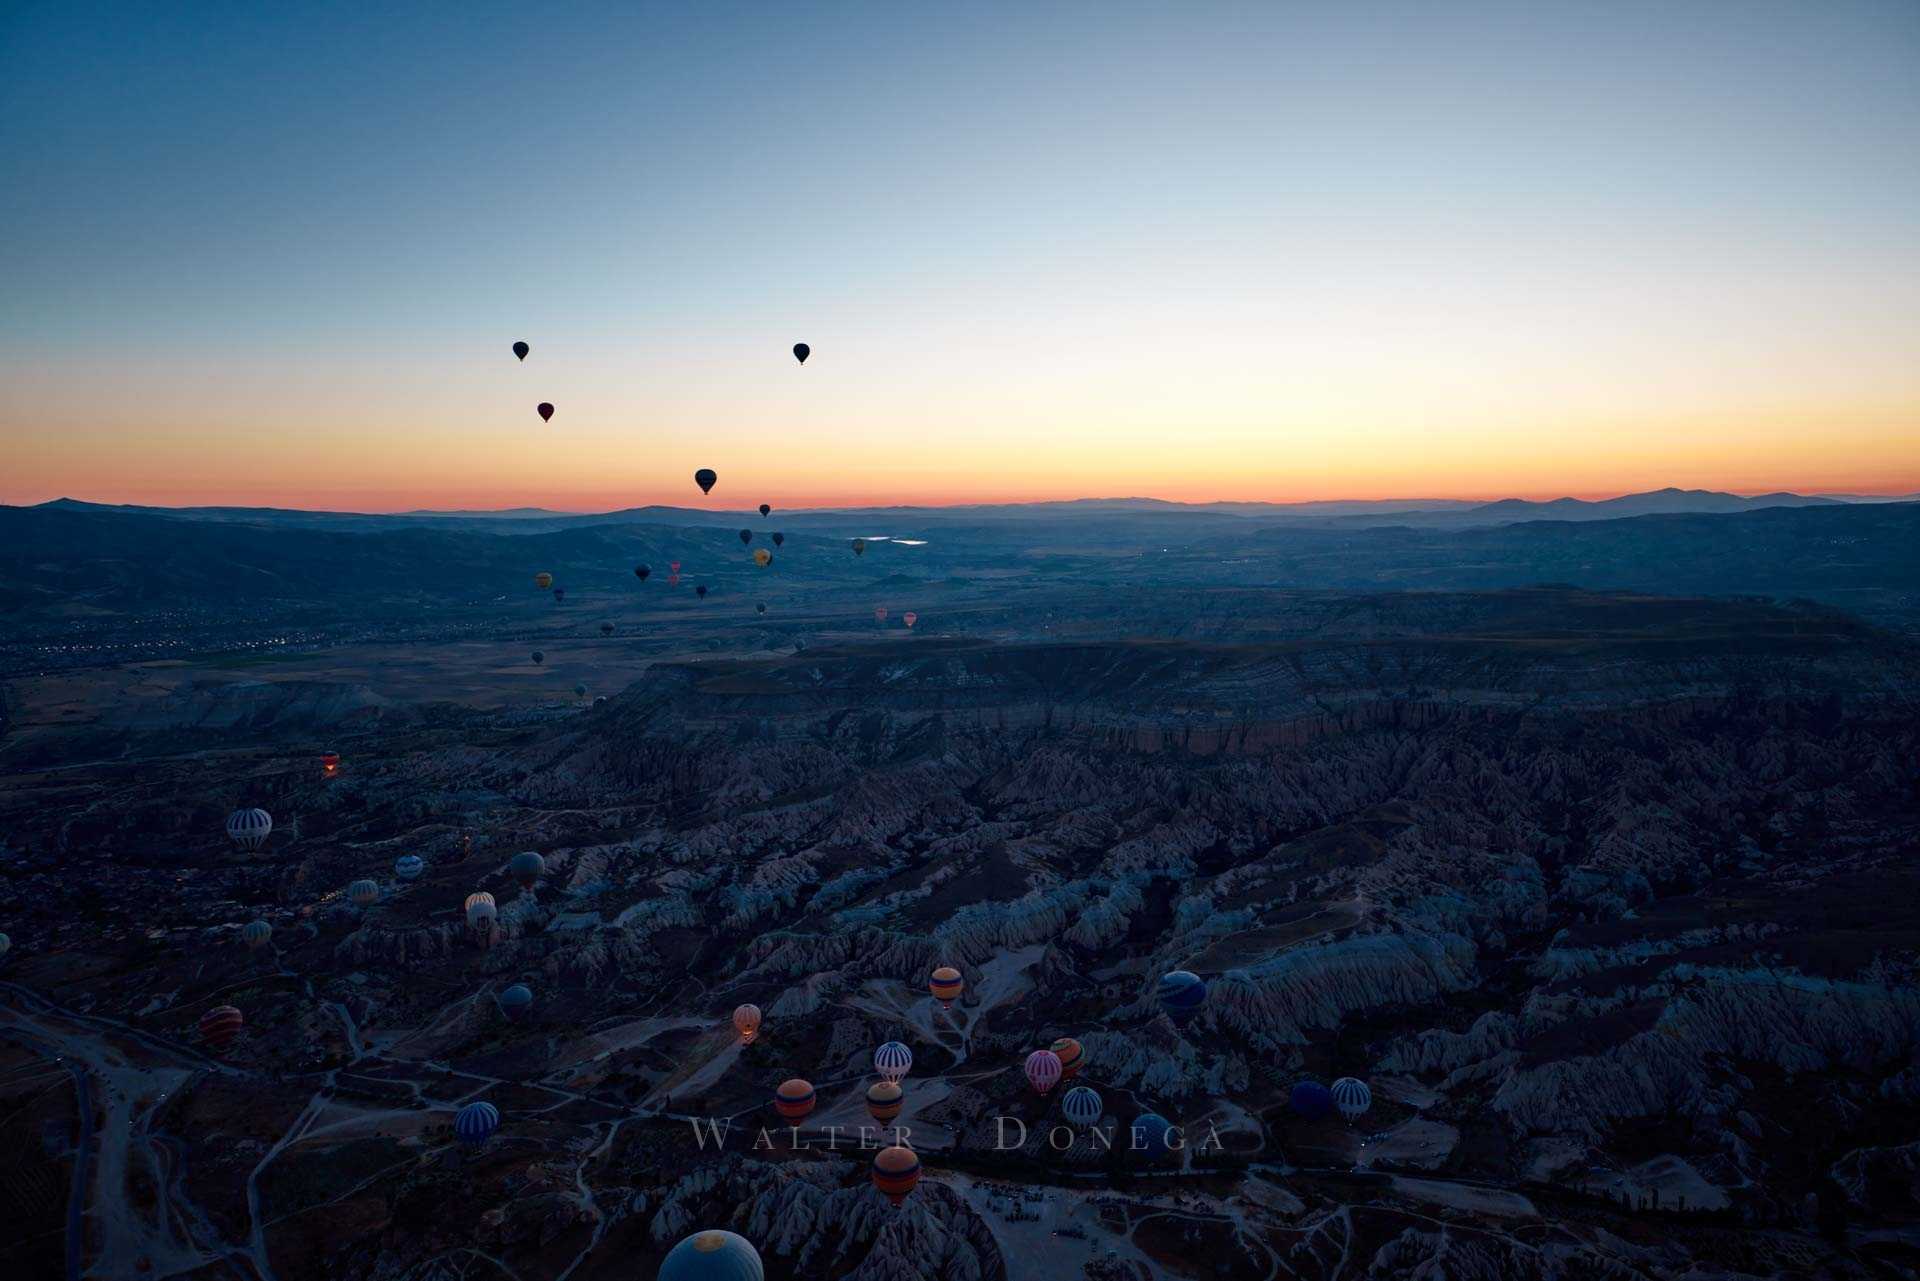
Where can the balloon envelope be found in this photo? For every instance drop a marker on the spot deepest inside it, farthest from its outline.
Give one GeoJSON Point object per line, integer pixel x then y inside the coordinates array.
{"type": "Point", "coordinates": [476, 1122]}
{"type": "Point", "coordinates": [909, 618]}
{"type": "Point", "coordinates": [364, 893]}
{"type": "Point", "coordinates": [520, 349]}
{"type": "Point", "coordinates": [220, 1025]}
{"type": "Point", "coordinates": [409, 866]}
{"type": "Point", "coordinates": [859, 547]}
{"type": "Point", "coordinates": [762, 557]}
{"type": "Point", "coordinates": [1310, 1099]}
{"type": "Point", "coordinates": [538, 658]}
{"type": "Point", "coordinates": [1352, 1097]}
{"type": "Point", "coordinates": [794, 1099]}
{"type": "Point", "coordinates": [1182, 992]}
{"type": "Point", "coordinates": [527, 866]}
{"type": "Point", "coordinates": [543, 581]}
{"type": "Point", "coordinates": [801, 351]}
{"type": "Point", "coordinates": [746, 1021]}
{"type": "Point", "coordinates": [1043, 1070]}
{"type": "Point", "coordinates": [705, 478]}
{"type": "Point", "coordinates": [764, 509]}
{"type": "Point", "coordinates": [946, 985]}
{"type": "Point", "coordinates": [516, 1001]}
{"type": "Point", "coordinates": [641, 571]}
{"type": "Point", "coordinates": [545, 411]}
{"type": "Point", "coordinates": [1150, 1134]}
{"type": "Point", "coordinates": [893, 1060]}
{"type": "Point", "coordinates": [884, 1099]}
{"type": "Point", "coordinates": [249, 829]}
{"type": "Point", "coordinates": [1070, 1055]}
{"type": "Point", "coordinates": [896, 1171]}
{"type": "Point", "coordinates": [701, 591]}
{"type": "Point", "coordinates": [713, 1255]}
{"type": "Point", "coordinates": [746, 536]}
{"type": "Point", "coordinates": [256, 934]}
{"type": "Point", "coordinates": [779, 538]}
{"type": "Point", "coordinates": [1082, 1105]}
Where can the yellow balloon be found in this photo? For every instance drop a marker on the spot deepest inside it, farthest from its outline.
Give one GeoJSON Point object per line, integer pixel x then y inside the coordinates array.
{"type": "Point", "coordinates": [762, 557]}
{"type": "Point", "coordinates": [543, 581]}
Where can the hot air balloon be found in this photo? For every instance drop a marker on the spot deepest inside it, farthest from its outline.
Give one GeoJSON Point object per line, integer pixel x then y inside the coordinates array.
{"type": "Point", "coordinates": [1310, 1099]}
{"type": "Point", "coordinates": [794, 1099]}
{"type": "Point", "coordinates": [880, 614]}
{"type": "Point", "coordinates": [673, 578]}
{"type": "Point", "coordinates": [760, 608]}
{"type": "Point", "coordinates": [1150, 1134]}
{"type": "Point", "coordinates": [516, 1001]}
{"type": "Point", "coordinates": [778, 538]}
{"type": "Point", "coordinates": [527, 866]}
{"type": "Point", "coordinates": [538, 658]}
{"type": "Point", "coordinates": [545, 411]}
{"type": "Point", "coordinates": [746, 536]}
{"type": "Point", "coordinates": [764, 509]}
{"type": "Point", "coordinates": [762, 557]}
{"type": "Point", "coordinates": [520, 349]}
{"type": "Point", "coordinates": [893, 1061]}
{"type": "Point", "coordinates": [481, 910]}
{"type": "Point", "coordinates": [255, 934]}
{"type": "Point", "coordinates": [329, 764]}
{"type": "Point", "coordinates": [409, 866]}
{"type": "Point", "coordinates": [606, 629]}
{"type": "Point", "coordinates": [712, 1255]}
{"type": "Point", "coordinates": [896, 1171]}
{"type": "Point", "coordinates": [641, 572]}
{"type": "Point", "coordinates": [559, 594]}
{"type": "Point", "coordinates": [6, 945]}
{"type": "Point", "coordinates": [801, 351]}
{"type": "Point", "coordinates": [1043, 1070]}
{"type": "Point", "coordinates": [1352, 1097]}
{"type": "Point", "coordinates": [543, 581]}
{"type": "Point", "coordinates": [909, 618]}
{"type": "Point", "coordinates": [249, 828]}
{"type": "Point", "coordinates": [1181, 993]}
{"type": "Point", "coordinates": [476, 1122]}
{"type": "Point", "coordinates": [746, 1021]}
{"type": "Point", "coordinates": [884, 1099]}
{"type": "Point", "coordinates": [364, 893]}
{"type": "Point", "coordinates": [701, 591]}
{"type": "Point", "coordinates": [946, 986]}
{"type": "Point", "coordinates": [579, 691]}
{"type": "Point", "coordinates": [1070, 1055]}
{"type": "Point", "coordinates": [219, 1025]}
{"type": "Point", "coordinates": [859, 547]}
{"type": "Point", "coordinates": [1082, 1106]}
{"type": "Point", "coordinates": [705, 478]}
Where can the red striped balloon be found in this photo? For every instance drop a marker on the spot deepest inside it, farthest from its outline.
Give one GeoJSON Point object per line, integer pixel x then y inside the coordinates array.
{"type": "Point", "coordinates": [895, 1172]}
{"type": "Point", "coordinates": [219, 1025]}
{"type": "Point", "coordinates": [794, 1099]}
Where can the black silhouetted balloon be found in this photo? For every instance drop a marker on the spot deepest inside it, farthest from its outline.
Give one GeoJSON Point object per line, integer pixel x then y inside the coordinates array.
{"type": "Point", "coordinates": [641, 571]}
{"type": "Point", "coordinates": [760, 609]}
{"type": "Point", "coordinates": [705, 478]}
{"type": "Point", "coordinates": [746, 536]}
{"type": "Point", "coordinates": [859, 547]}
{"type": "Point", "coordinates": [559, 593]}
{"type": "Point", "coordinates": [778, 539]}
{"type": "Point", "coordinates": [801, 351]}
{"type": "Point", "coordinates": [520, 349]}
{"type": "Point", "coordinates": [606, 629]}
{"type": "Point", "coordinates": [538, 658]}
{"type": "Point", "coordinates": [546, 412]}
{"type": "Point", "coordinates": [764, 509]}
{"type": "Point", "coordinates": [701, 591]}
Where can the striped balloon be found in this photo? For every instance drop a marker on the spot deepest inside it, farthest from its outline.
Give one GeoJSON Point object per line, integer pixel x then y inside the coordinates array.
{"type": "Point", "coordinates": [1043, 1070]}
{"type": "Point", "coordinates": [746, 1021]}
{"type": "Point", "coordinates": [249, 828]}
{"type": "Point", "coordinates": [220, 1025]}
{"type": "Point", "coordinates": [884, 1099]}
{"type": "Point", "coordinates": [1182, 993]}
{"type": "Point", "coordinates": [895, 1172]}
{"type": "Point", "coordinates": [1082, 1105]}
{"type": "Point", "coordinates": [893, 1060]}
{"type": "Point", "coordinates": [1070, 1057]}
{"type": "Point", "coordinates": [255, 934]}
{"type": "Point", "coordinates": [1352, 1097]}
{"type": "Point", "coordinates": [794, 1099]}
{"type": "Point", "coordinates": [946, 986]}
{"type": "Point", "coordinates": [409, 866]}
{"type": "Point", "coordinates": [713, 1255]}
{"type": "Point", "coordinates": [363, 893]}
{"type": "Point", "coordinates": [476, 1122]}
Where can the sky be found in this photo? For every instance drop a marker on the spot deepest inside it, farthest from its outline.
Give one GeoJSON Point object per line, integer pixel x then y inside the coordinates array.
{"type": "Point", "coordinates": [278, 254]}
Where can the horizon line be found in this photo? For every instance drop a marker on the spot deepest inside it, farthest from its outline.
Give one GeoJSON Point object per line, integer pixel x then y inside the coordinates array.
{"type": "Point", "coordinates": [1892, 492]}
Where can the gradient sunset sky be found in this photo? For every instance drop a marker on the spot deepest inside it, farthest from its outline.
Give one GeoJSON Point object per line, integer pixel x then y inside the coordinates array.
{"type": "Point", "coordinates": [276, 254]}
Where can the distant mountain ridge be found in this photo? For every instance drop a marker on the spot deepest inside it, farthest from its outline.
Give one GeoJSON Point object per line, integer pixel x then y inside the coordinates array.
{"type": "Point", "coordinates": [1446, 512]}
